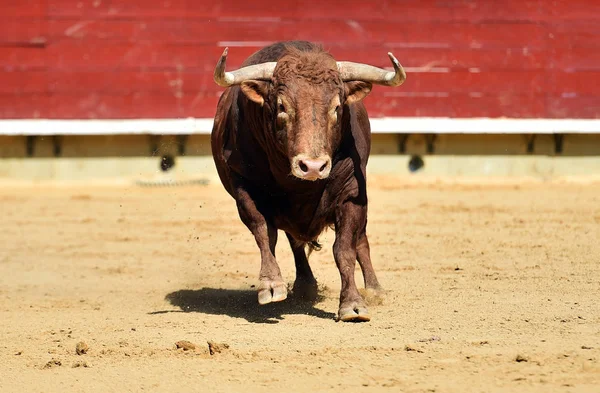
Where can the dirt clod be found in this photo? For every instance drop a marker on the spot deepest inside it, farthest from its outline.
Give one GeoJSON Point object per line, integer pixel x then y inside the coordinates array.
{"type": "Point", "coordinates": [53, 363]}
{"type": "Point", "coordinates": [214, 347]}
{"type": "Point", "coordinates": [429, 339]}
{"type": "Point", "coordinates": [185, 345]}
{"type": "Point", "coordinates": [521, 358]}
{"type": "Point", "coordinates": [409, 348]}
{"type": "Point", "coordinates": [81, 348]}
{"type": "Point", "coordinates": [80, 363]}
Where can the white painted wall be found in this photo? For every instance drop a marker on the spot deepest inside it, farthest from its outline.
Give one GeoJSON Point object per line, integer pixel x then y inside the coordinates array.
{"type": "Point", "coordinates": [390, 125]}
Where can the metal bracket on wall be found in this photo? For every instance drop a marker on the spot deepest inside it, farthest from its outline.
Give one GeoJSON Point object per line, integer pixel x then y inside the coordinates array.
{"type": "Point", "coordinates": [402, 143]}
{"type": "Point", "coordinates": [558, 143]}
{"type": "Point", "coordinates": [154, 139]}
{"type": "Point", "coordinates": [30, 145]}
{"type": "Point", "coordinates": [181, 144]}
{"type": "Point", "coordinates": [57, 145]}
{"type": "Point", "coordinates": [430, 140]}
{"type": "Point", "coordinates": [530, 143]}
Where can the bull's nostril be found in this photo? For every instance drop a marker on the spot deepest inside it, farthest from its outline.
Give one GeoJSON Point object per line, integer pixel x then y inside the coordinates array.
{"type": "Point", "coordinates": [323, 167]}
{"type": "Point", "coordinates": [303, 167]}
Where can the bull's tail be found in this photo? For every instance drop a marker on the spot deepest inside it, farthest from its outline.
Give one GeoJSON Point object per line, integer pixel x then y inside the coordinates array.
{"type": "Point", "coordinates": [313, 245]}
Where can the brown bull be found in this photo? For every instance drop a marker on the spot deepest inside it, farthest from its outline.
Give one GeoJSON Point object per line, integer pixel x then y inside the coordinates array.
{"type": "Point", "coordinates": [291, 140]}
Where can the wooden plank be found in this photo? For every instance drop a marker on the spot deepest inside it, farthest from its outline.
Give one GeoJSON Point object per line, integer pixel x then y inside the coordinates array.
{"type": "Point", "coordinates": [19, 82]}
{"type": "Point", "coordinates": [408, 35]}
{"type": "Point", "coordinates": [576, 59]}
{"type": "Point", "coordinates": [150, 105]}
{"type": "Point", "coordinates": [153, 55]}
{"type": "Point", "coordinates": [126, 9]}
{"type": "Point", "coordinates": [142, 105]}
{"type": "Point", "coordinates": [30, 31]}
{"type": "Point", "coordinates": [94, 106]}
{"type": "Point", "coordinates": [456, 105]}
{"type": "Point", "coordinates": [470, 11]}
{"type": "Point", "coordinates": [486, 82]}
{"type": "Point", "coordinates": [458, 35]}
{"type": "Point", "coordinates": [574, 106]}
{"type": "Point", "coordinates": [14, 58]}
{"type": "Point", "coordinates": [173, 81]}
{"type": "Point", "coordinates": [233, 9]}
{"type": "Point", "coordinates": [22, 9]}
{"type": "Point", "coordinates": [193, 31]}
{"type": "Point", "coordinates": [170, 82]}
{"type": "Point", "coordinates": [575, 34]}
{"type": "Point", "coordinates": [400, 11]}
{"type": "Point", "coordinates": [107, 55]}
{"type": "Point", "coordinates": [575, 10]}
{"type": "Point", "coordinates": [454, 59]}
{"type": "Point", "coordinates": [100, 55]}
{"type": "Point", "coordinates": [74, 55]}
{"type": "Point", "coordinates": [573, 83]}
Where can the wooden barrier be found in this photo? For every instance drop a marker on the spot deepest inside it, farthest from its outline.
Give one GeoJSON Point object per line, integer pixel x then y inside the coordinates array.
{"type": "Point", "coordinates": [88, 59]}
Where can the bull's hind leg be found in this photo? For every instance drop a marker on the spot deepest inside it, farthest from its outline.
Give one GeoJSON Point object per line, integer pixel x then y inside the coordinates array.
{"type": "Point", "coordinates": [350, 218]}
{"type": "Point", "coordinates": [272, 288]}
{"type": "Point", "coordinates": [363, 253]}
{"type": "Point", "coordinates": [305, 286]}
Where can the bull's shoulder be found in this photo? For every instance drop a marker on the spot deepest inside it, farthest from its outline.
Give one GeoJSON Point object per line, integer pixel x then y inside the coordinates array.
{"type": "Point", "coordinates": [359, 127]}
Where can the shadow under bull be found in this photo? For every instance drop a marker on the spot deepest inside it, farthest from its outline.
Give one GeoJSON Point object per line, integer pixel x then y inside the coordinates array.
{"type": "Point", "coordinates": [240, 304]}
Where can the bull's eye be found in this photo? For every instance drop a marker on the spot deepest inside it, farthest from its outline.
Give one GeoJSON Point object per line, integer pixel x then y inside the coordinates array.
{"type": "Point", "coordinates": [337, 108]}
{"type": "Point", "coordinates": [281, 108]}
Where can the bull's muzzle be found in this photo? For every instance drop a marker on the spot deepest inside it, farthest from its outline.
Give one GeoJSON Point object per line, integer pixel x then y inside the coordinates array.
{"type": "Point", "coordinates": [310, 168]}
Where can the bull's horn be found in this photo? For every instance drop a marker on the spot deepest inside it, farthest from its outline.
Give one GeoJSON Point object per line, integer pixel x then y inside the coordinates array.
{"type": "Point", "coordinates": [262, 71]}
{"type": "Point", "coordinates": [363, 72]}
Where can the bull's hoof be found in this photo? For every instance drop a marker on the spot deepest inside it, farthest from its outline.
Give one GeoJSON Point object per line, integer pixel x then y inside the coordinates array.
{"type": "Point", "coordinates": [355, 312]}
{"type": "Point", "coordinates": [373, 296]}
{"type": "Point", "coordinates": [305, 290]}
{"type": "Point", "coordinates": [271, 291]}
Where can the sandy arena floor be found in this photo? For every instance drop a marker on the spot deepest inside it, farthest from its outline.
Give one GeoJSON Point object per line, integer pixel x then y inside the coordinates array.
{"type": "Point", "coordinates": [490, 289]}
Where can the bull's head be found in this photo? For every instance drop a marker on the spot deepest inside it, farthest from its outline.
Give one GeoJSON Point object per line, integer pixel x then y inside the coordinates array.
{"type": "Point", "coordinates": [305, 93]}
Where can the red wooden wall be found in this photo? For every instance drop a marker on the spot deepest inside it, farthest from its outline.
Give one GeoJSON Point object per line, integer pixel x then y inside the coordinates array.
{"type": "Point", "coordinates": [154, 58]}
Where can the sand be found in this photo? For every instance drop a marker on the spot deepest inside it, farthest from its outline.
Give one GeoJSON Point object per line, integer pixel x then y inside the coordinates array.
{"type": "Point", "coordinates": [490, 288]}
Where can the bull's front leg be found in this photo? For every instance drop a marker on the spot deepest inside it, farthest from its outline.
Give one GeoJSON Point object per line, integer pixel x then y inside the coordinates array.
{"type": "Point", "coordinates": [363, 251]}
{"type": "Point", "coordinates": [350, 221]}
{"type": "Point", "coordinates": [272, 288]}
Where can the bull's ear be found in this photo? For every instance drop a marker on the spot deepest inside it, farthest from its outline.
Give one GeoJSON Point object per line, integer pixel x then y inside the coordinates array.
{"type": "Point", "coordinates": [356, 91]}
{"type": "Point", "coordinates": [256, 90]}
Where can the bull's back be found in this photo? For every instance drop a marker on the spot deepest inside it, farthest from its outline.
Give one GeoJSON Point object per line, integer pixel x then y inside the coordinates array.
{"type": "Point", "coordinates": [276, 51]}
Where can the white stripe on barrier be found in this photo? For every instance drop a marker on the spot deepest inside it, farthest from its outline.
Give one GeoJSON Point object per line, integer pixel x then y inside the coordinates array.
{"type": "Point", "coordinates": [385, 125]}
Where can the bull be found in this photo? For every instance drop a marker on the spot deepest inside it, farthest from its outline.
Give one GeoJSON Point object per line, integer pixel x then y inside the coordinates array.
{"type": "Point", "coordinates": [291, 141]}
